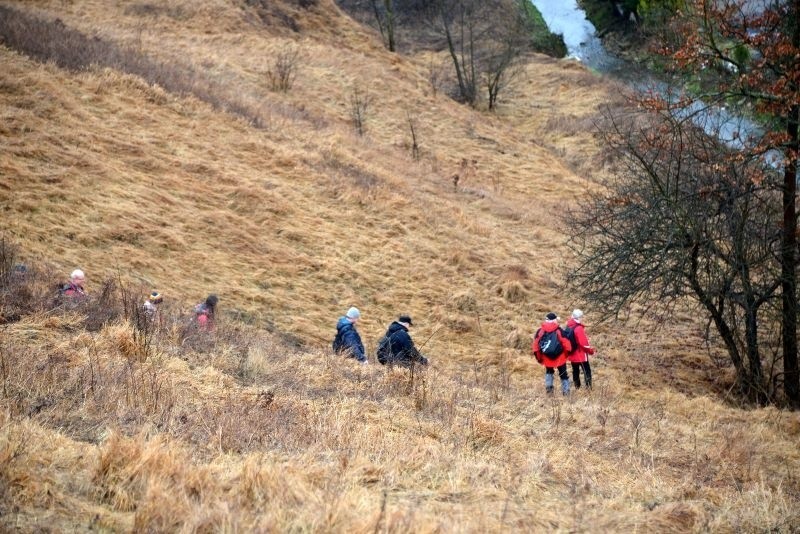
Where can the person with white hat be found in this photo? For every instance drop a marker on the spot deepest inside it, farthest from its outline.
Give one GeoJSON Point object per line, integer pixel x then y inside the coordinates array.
{"type": "Point", "coordinates": [579, 357]}
{"type": "Point", "coordinates": [348, 340]}
{"type": "Point", "coordinates": [75, 287]}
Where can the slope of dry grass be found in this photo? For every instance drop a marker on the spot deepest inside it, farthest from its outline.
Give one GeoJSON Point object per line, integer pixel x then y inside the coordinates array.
{"type": "Point", "coordinates": [235, 431]}
{"type": "Point", "coordinates": [291, 223]}
{"type": "Point", "coordinates": [273, 220]}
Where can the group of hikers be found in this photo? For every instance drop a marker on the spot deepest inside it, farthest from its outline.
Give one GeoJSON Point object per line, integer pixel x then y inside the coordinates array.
{"type": "Point", "coordinates": [395, 348]}
{"type": "Point", "coordinates": [553, 346]}
{"type": "Point", "coordinates": [204, 312]}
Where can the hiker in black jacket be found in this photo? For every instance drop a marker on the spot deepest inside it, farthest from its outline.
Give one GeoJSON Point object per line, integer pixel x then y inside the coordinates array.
{"type": "Point", "coordinates": [397, 347]}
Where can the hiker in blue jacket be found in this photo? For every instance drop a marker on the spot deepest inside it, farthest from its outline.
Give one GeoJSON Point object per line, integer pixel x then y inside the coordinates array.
{"type": "Point", "coordinates": [347, 340]}
{"type": "Point", "coordinates": [397, 348]}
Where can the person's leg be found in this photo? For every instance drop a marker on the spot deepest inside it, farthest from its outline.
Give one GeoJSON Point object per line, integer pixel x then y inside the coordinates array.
{"type": "Point", "coordinates": [548, 379]}
{"type": "Point", "coordinates": [587, 374]}
{"type": "Point", "coordinates": [576, 375]}
{"type": "Point", "coordinates": [562, 373]}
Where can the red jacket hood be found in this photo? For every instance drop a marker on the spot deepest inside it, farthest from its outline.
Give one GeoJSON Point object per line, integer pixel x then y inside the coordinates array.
{"type": "Point", "coordinates": [578, 355]}
{"type": "Point", "coordinates": [549, 326]}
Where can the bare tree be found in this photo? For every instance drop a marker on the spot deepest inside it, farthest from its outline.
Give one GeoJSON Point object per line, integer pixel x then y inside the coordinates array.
{"type": "Point", "coordinates": [385, 17]}
{"type": "Point", "coordinates": [501, 64]}
{"type": "Point", "coordinates": [680, 219]}
{"type": "Point", "coordinates": [412, 126]}
{"type": "Point", "coordinates": [746, 53]}
{"type": "Point", "coordinates": [360, 101]}
{"type": "Point", "coordinates": [483, 39]}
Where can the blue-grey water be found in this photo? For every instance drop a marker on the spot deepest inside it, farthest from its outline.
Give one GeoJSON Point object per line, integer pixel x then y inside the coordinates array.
{"type": "Point", "coordinates": [565, 17]}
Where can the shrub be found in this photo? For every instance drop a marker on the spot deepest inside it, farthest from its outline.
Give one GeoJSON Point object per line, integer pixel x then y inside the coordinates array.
{"type": "Point", "coordinates": [360, 101]}
{"type": "Point", "coordinates": [282, 71]}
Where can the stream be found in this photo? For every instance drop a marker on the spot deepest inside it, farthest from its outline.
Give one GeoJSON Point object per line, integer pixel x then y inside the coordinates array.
{"type": "Point", "coordinates": [566, 17]}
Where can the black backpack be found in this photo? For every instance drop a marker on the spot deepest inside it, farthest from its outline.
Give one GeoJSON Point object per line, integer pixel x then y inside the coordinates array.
{"type": "Point", "coordinates": [384, 351]}
{"type": "Point", "coordinates": [550, 346]}
{"type": "Point", "coordinates": [338, 341]}
{"type": "Point", "coordinates": [569, 333]}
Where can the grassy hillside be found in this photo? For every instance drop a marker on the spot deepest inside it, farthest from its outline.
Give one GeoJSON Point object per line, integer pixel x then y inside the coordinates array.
{"type": "Point", "coordinates": [280, 208]}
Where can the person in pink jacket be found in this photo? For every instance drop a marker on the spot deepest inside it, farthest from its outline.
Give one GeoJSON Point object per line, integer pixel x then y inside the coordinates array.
{"type": "Point", "coordinates": [579, 357]}
{"type": "Point", "coordinates": [205, 313]}
{"type": "Point", "coordinates": [75, 287]}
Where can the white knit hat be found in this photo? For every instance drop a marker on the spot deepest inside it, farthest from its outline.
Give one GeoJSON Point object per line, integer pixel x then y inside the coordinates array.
{"type": "Point", "coordinates": [77, 273]}
{"type": "Point", "coordinates": [353, 313]}
{"type": "Point", "coordinates": [577, 314]}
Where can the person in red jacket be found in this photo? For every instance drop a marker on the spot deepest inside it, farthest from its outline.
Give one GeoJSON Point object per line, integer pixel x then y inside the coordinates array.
{"type": "Point", "coordinates": [551, 346]}
{"type": "Point", "coordinates": [579, 357]}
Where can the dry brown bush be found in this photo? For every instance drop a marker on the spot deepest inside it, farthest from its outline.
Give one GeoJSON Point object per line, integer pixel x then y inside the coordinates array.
{"type": "Point", "coordinates": [513, 284]}
{"type": "Point", "coordinates": [24, 290]}
{"type": "Point", "coordinates": [282, 71]}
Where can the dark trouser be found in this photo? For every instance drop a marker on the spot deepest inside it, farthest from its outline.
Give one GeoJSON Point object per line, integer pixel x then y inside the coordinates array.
{"type": "Point", "coordinates": [587, 374]}
{"type": "Point", "coordinates": [562, 374]}
{"type": "Point", "coordinates": [562, 371]}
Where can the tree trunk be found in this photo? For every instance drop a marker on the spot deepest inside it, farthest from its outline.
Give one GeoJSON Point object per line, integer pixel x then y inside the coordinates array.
{"type": "Point", "coordinates": [378, 19]}
{"type": "Point", "coordinates": [451, 47]}
{"type": "Point", "coordinates": [724, 330]}
{"type": "Point", "coordinates": [789, 264]}
{"type": "Point", "coordinates": [389, 5]}
{"type": "Point", "coordinates": [789, 245]}
{"type": "Point", "coordinates": [473, 78]}
{"type": "Point", "coordinates": [755, 378]}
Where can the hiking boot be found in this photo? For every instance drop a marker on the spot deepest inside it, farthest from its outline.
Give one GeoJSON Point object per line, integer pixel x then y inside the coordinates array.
{"type": "Point", "coordinates": [549, 390]}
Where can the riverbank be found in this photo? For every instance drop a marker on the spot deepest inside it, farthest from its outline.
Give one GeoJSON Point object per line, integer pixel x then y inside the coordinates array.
{"type": "Point", "coordinates": [542, 39]}
{"type": "Point", "coordinates": [624, 34]}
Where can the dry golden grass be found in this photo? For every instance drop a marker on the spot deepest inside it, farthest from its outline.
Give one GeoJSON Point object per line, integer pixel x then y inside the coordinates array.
{"type": "Point", "coordinates": [292, 223]}
{"type": "Point", "coordinates": [315, 444]}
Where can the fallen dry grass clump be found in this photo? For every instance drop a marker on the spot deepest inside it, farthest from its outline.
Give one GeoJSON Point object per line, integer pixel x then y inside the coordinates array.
{"type": "Point", "coordinates": [110, 422]}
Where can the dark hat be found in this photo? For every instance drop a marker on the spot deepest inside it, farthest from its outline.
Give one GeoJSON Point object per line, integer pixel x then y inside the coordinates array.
{"type": "Point", "coordinates": [551, 316]}
{"type": "Point", "coordinates": [212, 300]}
{"type": "Point", "coordinates": [405, 319]}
